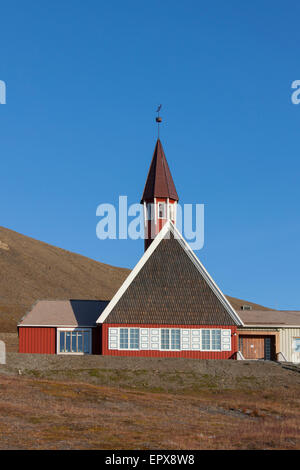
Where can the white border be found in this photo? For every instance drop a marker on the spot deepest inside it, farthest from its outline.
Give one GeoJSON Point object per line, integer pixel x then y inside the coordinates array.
{"type": "Point", "coordinates": [181, 349]}
{"type": "Point", "coordinates": [161, 235]}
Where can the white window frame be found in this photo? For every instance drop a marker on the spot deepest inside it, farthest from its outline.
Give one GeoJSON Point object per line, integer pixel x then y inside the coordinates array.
{"type": "Point", "coordinates": [89, 330]}
{"type": "Point", "coordinates": [170, 339]}
{"type": "Point", "coordinates": [145, 339]}
{"type": "Point", "coordinates": [198, 340]}
{"type": "Point", "coordinates": [186, 333]}
{"type": "Point", "coordinates": [159, 204]}
{"type": "Point", "coordinates": [210, 339]}
{"type": "Point", "coordinates": [129, 328]}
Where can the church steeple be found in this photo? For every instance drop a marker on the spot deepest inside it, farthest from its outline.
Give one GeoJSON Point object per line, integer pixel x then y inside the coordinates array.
{"type": "Point", "coordinates": [160, 196]}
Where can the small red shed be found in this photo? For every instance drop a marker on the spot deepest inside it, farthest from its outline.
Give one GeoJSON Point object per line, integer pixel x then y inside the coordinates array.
{"type": "Point", "coordinates": [62, 327]}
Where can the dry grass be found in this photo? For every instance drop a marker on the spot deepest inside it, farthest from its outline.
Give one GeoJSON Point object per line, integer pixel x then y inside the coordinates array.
{"type": "Point", "coordinates": [37, 413]}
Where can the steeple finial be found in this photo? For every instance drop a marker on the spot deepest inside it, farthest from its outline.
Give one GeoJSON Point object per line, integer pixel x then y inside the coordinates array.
{"type": "Point", "coordinates": [158, 119]}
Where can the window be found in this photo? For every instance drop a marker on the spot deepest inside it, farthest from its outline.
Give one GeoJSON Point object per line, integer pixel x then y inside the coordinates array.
{"type": "Point", "coordinates": [206, 340]}
{"type": "Point", "coordinates": [134, 338]}
{"type": "Point", "coordinates": [165, 339]}
{"type": "Point", "coordinates": [123, 338]}
{"type": "Point", "coordinates": [170, 338]}
{"type": "Point", "coordinates": [149, 211]}
{"type": "Point", "coordinates": [246, 307]}
{"type": "Point", "coordinates": [160, 339]}
{"type": "Point", "coordinates": [171, 212]}
{"type": "Point", "coordinates": [75, 341]}
{"type": "Point", "coordinates": [296, 344]}
{"type": "Point", "coordinates": [129, 338]}
{"type": "Point", "coordinates": [162, 210]}
{"type": "Point", "coordinates": [216, 339]}
{"type": "Point", "coordinates": [175, 339]}
{"type": "Point", "coordinates": [211, 340]}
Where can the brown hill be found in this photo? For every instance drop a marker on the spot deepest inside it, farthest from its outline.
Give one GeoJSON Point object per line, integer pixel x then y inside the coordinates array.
{"type": "Point", "coordinates": [31, 270]}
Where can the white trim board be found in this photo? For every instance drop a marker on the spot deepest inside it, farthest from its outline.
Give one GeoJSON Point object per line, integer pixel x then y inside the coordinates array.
{"type": "Point", "coordinates": [161, 235]}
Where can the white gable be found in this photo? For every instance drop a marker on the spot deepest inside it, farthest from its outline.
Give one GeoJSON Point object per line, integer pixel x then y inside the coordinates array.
{"type": "Point", "coordinates": [169, 227]}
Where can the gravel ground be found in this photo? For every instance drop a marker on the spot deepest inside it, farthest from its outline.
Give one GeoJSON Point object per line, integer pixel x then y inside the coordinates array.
{"type": "Point", "coordinates": [165, 374]}
{"type": "Point", "coordinates": [10, 340]}
{"type": "Point", "coordinates": [156, 373]}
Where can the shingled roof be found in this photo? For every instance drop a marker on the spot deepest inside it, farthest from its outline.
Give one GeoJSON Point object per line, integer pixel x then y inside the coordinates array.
{"type": "Point", "coordinates": [169, 285]}
{"type": "Point", "coordinates": [159, 181]}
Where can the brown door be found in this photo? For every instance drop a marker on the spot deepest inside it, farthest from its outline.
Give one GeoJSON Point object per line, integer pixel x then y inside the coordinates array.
{"type": "Point", "coordinates": [257, 347]}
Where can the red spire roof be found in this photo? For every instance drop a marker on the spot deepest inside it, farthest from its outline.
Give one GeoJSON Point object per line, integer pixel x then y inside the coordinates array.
{"type": "Point", "coordinates": [159, 181]}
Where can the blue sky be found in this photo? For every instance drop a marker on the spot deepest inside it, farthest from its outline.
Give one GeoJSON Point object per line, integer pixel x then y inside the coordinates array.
{"type": "Point", "coordinates": [83, 83]}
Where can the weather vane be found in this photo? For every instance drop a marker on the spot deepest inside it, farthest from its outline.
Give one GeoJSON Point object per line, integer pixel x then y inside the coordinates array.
{"type": "Point", "coordinates": [158, 119]}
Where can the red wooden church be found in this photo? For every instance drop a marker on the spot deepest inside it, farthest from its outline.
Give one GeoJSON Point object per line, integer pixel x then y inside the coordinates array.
{"type": "Point", "coordinates": [168, 306]}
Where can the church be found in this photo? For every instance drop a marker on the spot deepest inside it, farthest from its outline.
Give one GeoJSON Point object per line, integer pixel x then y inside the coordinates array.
{"type": "Point", "coordinates": [169, 305]}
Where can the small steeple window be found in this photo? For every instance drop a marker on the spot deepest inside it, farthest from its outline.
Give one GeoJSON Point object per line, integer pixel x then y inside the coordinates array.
{"type": "Point", "coordinates": [150, 210]}
{"type": "Point", "coordinates": [162, 210]}
{"type": "Point", "coordinates": [171, 212]}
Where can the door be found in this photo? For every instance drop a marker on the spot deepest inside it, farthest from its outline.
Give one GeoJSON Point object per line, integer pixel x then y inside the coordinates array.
{"type": "Point", "coordinates": [257, 347]}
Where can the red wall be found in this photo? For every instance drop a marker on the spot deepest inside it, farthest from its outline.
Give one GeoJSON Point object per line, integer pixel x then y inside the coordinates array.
{"type": "Point", "coordinates": [42, 340]}
{"type": "Point", "coordinates": [189, 354]}
{"type": "Point", "coordinates": [37, 340]}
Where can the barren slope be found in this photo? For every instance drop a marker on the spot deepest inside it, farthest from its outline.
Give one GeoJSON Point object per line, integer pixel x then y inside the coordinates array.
{"type": "Point", "coordinates": [98, 402]}
{"type": "Point", "coordinates": [32, 270]}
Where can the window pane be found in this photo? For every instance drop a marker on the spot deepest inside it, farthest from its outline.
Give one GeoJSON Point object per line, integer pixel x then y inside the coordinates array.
{"type": "Point", "coordinates": [86, 341]}
{"type": "Point", "coordinates": [171, 212]}
{"type": "Point", "coordinates": [134, 338]}
{"type": "Point", "coordinates": [296, 344]}
{"type": "Point", "coordinates": [62, 341]}
{"type": "Point", "coordinates": [68, 341]}
{"type": "Point", "coordinates": [161, 210]}
{"type": "Point", "coordinates": [206, 340]}
{"type": "Point", "coordinates": [175, 339]}
{"type": "Point", "coordinates": [74, 341]}
{"type": "Point", "coordinates": [165, 339]}
{"type": "Point", "coordinates": [216, 339]}
{"type": "Point", "coordinates": [149, 211]}
{"type": "Point", "coordinates": [123, 338]}
{"type": "Point", "coordinates": [80, 341]}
